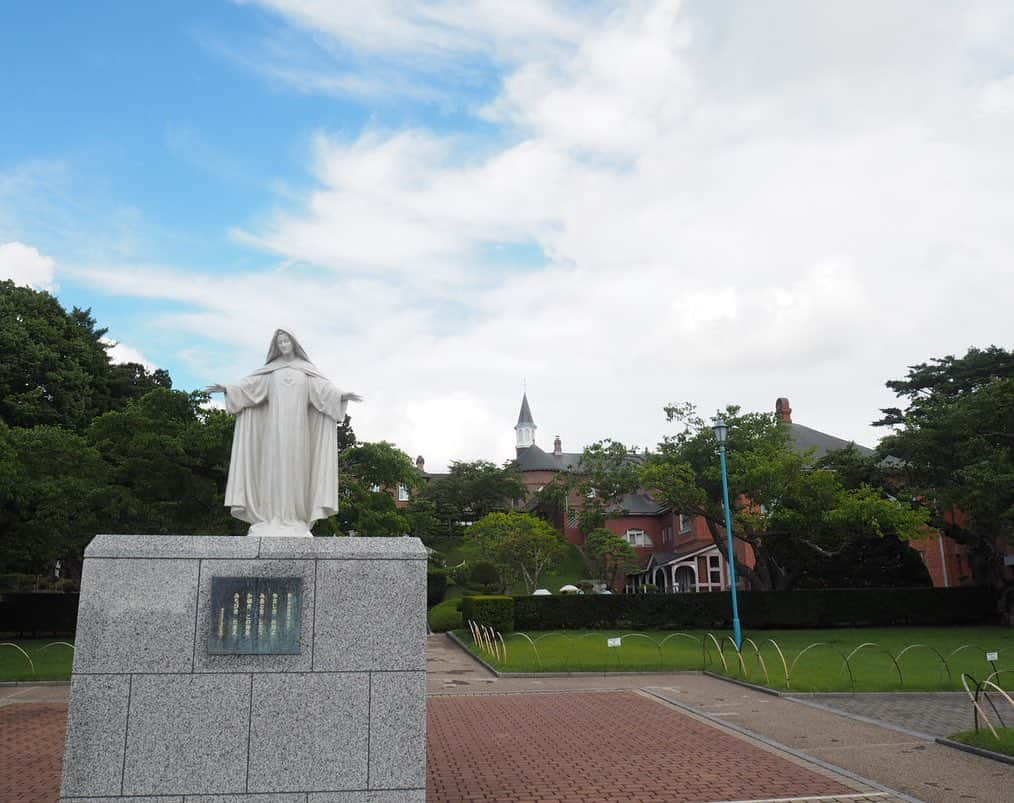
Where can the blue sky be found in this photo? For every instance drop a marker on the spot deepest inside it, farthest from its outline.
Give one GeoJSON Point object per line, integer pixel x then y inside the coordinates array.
{"type": "Point", "coordinates": [623, 204]}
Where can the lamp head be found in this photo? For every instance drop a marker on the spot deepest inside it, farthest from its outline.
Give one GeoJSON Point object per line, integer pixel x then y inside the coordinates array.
{"type": "Point", "coordinates": [721, 430]}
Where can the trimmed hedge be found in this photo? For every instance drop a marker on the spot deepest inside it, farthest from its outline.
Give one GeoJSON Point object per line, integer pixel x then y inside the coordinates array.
{"type": "Point", "coordinates": [30, 613]}
{"type": "Point", "coordinates": [445, 616]}
{"type": "Point", "coordinates": [757, 609]}
{"type": "Point", "coordinates": [495, 611]}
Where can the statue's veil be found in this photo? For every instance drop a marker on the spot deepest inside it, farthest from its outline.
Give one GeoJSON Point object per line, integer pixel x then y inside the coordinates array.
{"type": "Point", "coordinates": [297, 349]}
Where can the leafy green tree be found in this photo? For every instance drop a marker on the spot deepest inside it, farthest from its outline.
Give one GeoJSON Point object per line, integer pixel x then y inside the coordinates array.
{"type": "Point", "coordinates": [53, 494]}
{"type": "Point", "coordinates": [775, 493]}
{"type": "Point", "coordinates": [346, 437]}
{"type": "Point", "coordinates": [55, 369]}
{"type": "Point", "coordinates": [520, 545]}
{"type": "Point", "coordinates": [607, 472]}
{"type": "Point", "coordinates": [369, 473]}
{"type": "Point", "coordinates": [952, 448]}
{"type": "Point", "coordinates": [470, 491]}
{"type": "Point", "coordinates": [613, 556]}
{"type": "Point", "coordinates": [167, 460]}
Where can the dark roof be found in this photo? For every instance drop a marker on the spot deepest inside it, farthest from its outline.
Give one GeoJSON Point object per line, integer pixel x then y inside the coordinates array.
{"type": "Point", "coordinates": [657, 559]}
{"type": "Point", "coordinates": [525, 416]}
{"type": "Point", "coordinates": [663, 558]}
{"type": "Point", "coordinates": [638, 504]}
{"type": "Point", "coordinates": [805, 438]}
{"type": "Point", "coordinates": [532, 458]}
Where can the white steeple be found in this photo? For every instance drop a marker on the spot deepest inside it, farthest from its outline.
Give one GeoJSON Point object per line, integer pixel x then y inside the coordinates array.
{"type": "Point", "coordinates": [525, 427]}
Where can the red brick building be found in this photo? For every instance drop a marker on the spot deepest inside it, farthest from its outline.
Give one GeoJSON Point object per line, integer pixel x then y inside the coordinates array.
{"type": "Point", "coordinates": [677, 553]}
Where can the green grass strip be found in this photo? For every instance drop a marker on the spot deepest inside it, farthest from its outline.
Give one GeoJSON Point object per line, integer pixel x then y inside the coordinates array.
{"type": "Point", "coordinates": [1003, 742]}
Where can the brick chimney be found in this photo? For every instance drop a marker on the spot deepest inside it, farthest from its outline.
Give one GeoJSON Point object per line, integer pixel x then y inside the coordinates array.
{"type": "Point", "coordinates": [420, 463]}
{"type": "Point", "coordinates": [557, 446]}
{"type": "Point", "coordinates": [783, 410]}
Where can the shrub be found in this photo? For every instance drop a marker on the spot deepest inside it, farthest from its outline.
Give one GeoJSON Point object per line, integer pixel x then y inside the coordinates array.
{"type": "Point", "coordinates": [757, 609]}
{"type": "Point", "coordinates": [34, 613]}
{"type": "Point", "coordinates": [484, 576]}
{"type": "Point", "coordinates": [436, 586]}
{"type": "Point", "coordinates": [496, 612]}
{"type": "Point", "coordinates": [446, 616]}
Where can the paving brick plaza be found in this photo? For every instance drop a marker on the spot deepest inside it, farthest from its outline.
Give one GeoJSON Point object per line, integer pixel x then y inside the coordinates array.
{"type": "Point", "coordinates": [613, 738]}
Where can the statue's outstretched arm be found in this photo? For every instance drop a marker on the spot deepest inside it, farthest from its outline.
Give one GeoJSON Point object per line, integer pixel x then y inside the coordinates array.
{"type": "Point", "coordinates": [215, 389]}
{"type": "Point", "coordinates": [351, 397]}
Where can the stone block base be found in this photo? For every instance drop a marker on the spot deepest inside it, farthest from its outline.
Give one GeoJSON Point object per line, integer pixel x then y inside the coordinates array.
{"type": "Point", "coordinates": [155, 717]}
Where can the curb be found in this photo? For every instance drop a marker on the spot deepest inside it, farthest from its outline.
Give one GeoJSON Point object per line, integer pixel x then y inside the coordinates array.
{"type": "Point", "coordinates": [978, 751]}
{"type": "Point", "coordinates": [745, 683]}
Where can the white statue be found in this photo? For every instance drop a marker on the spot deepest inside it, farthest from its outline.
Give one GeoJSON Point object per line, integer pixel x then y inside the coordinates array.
{"type": "Point", "coordinates": [283, 474]}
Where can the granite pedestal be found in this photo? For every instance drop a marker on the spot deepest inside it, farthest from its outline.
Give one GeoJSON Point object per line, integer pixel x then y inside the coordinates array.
{"type": "Point", "coordinates": [155, 716]}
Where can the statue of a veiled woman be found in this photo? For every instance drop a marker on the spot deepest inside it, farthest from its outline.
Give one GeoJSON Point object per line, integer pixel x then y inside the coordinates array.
{"type": "Point", "coordinates": [283, 475]}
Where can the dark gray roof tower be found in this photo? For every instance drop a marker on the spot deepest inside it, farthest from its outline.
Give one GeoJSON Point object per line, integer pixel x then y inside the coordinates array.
{"type": "Point", "coordinates": [525, 416]}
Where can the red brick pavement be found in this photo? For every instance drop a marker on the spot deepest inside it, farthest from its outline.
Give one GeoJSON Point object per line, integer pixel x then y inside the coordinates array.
{"type": "Point", "coordinates": [568, 747]}
{"type": "Point", "coordinates": [31, 751]}
{"type": "Point", "coordinates": [599, 746]}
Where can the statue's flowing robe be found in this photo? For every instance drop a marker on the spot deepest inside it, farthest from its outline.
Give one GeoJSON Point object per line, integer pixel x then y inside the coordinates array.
{"type": "Point", "coordinates": [284, 467]}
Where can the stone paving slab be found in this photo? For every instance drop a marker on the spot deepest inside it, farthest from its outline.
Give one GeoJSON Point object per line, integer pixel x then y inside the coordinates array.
{"type": "Point", "coordinates": [912, 765]}
{"type": "Point", "coordinates": [927, 713]}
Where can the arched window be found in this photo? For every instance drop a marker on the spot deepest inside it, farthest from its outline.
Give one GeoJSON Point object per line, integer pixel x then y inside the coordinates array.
{"type": "Point", "coordinates": [685, 580]}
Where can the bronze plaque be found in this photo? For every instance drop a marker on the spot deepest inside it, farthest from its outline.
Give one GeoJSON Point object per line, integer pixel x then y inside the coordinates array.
{"type": "Point", "coordinates": [255, 615]}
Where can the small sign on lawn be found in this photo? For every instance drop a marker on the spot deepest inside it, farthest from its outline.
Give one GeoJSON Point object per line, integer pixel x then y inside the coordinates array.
{"type": "Point", "coordinates": [614, 642]}
{"type": "Point", "coordinates": [992, 656]}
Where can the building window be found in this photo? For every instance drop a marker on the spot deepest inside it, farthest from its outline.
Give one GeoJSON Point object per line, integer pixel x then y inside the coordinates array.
{"type": "Point", "coordinates": [402, 492]}
{"type": "Point", "coordinates": [638, 538]}
{"type": "Point", "coordinates": [572, 519]}
{"type": "Point", "coordinates": [686, 523]}
{"type": "Point", "coordinates": [592, 493]}
{"type": "Point", "coordinates": [666, 535]}
{"type": "Point", "coordinates": [715, 570]}
{"type": "Point", "coordinates": [375, 488]}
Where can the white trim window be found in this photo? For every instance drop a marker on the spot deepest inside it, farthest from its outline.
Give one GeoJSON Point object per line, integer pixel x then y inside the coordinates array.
{"type": "Point", "coordinates": [686, 523]}
{"type": "Point", "coordinates": [402, 492]}
{"type": "Point", "coordinates": [715, 570]}
{"type": "Point", "coordinates": [638, 538]}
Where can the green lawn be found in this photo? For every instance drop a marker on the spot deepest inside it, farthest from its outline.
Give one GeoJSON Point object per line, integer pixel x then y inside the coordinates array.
{"type": "Point", "coordinates": [51, 659]}
{"type": "Point", "coordinates": [1003, 742]}
{"type": "Point", "coordinates": [801, 660]}
{"type": "Point", "coordinates": [569, 570]}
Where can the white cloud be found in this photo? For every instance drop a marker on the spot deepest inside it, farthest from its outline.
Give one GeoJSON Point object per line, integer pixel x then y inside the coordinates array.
{"type": "Point", "coordinates": [120, 353]}
{"type": "Point", "coordinates": [24, 265]}
{"type": "Point", "coordinates": [735, 203]}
